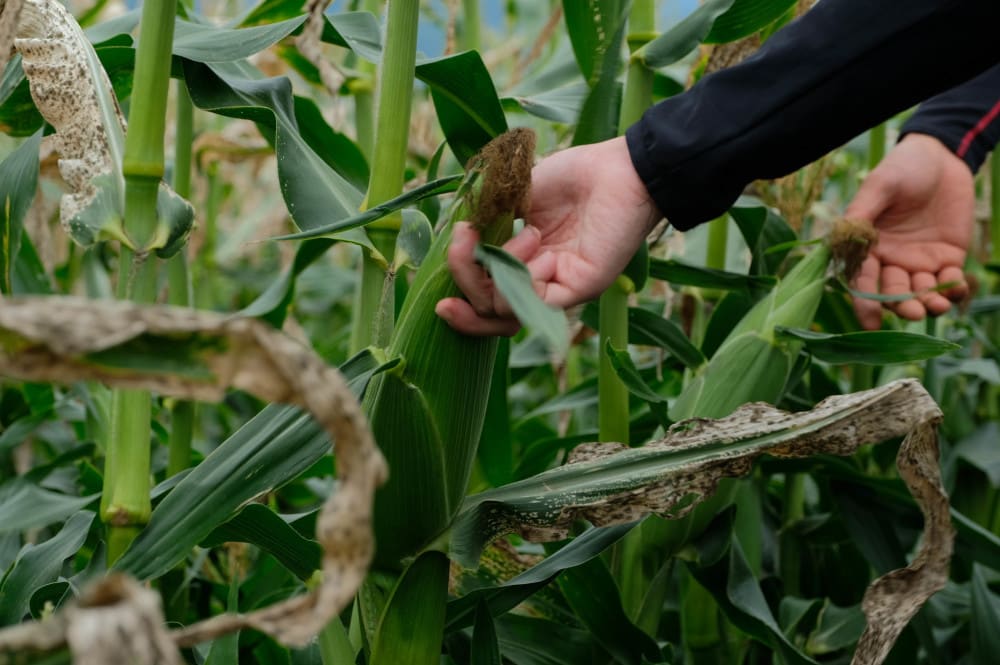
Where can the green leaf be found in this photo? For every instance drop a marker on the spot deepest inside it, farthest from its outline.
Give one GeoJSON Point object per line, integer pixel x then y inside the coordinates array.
{"type": "Point", "coordinates": [514, 282]}
{"type": "Point", "coordinates": [413, 240]}
{"type": "Point", "coordinates": [259, 525]}
{"type": "Point", "coordinates": [684, 37]}
{"type": "Point", "coordinates": [535, 641]}
{"type": "Point", "coordinates": [437, 187]}
{"type": "Point", "coordinates": [560, 104]}
{"type": "Point", "coordinates": [209, 43]}
{"type": "Point", "coordinates": [508, 595]}
{"type": "Point", "coordinates": [598, 120]}
{"type": "Point", "coordinates": [591, 593]}
{"type": "Point", "coordinates": [39, 565]}
{"type": "Point", "coordinates": [466, 101]}
{"type": "Point", "coordinates": [338, 151]}
{"type": "Point", "coordinates": [410, 628]}
{"type": "Point", "coordinates": [762, 230]}
{"type": "Point", "coordinates": [732, 584]}
{"type": "Point", "coordinates": [678, 272]}
{"type": "Point", "coordinates": [271, 449]}
{"type": "Point", "coordinates": [984, 619]}
{"type": "Point", "coordinates": [18, 181]}
{"type": "Point", "coordinates": [648, 328]}
{"type": "Point", "coordinates": [745, 18]}
{"type": "Point", "coordinates": [495, 452]}
{"type": "Point", "coordinates": [18, 114]}
{"type": "Point", "coordinates": [485, 648]}
{"type": "Point", "coordinates": [626, 370]}
{"type": "Point", "coordinates": [358, 31]}
{"type": "Point", "coordinates": [272, 305]}
{"type": "Point", "coordinates": [872, 347]}
{"type": "Point", "coordinates": [839, 628]}
{"type": "Point", "coordinates": [591, 25]}
{"type": "Point", "coordinates": [313, 191]}
{"type": "Point", "coordinates": [24, 505]}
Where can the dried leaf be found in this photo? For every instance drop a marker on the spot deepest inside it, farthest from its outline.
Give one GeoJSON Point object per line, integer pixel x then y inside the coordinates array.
{"type": "Point", "coordinates": [114, 622]}
{"type": "Point", "coordinates": [66, 339]}
{"type": "Point", "coordinates": [310, 45]}
{"type": "Point", "coordinates": [10, 14]}
{"type": "Point", "coordinates": [73, 93]}
{"type": "Point", "coordinates": [609, 484]}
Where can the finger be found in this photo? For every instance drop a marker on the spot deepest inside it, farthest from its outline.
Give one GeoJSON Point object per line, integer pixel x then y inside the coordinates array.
{"type": "Point", "coordinates": [933, 302]}
{"type": "Point", "coordinates": [953, 274]}
{"type": "Point", "coordinates": [869, 312]}
{"type": "Point", "coordinates": [525, 244]}
{"type": "Point", "coordinates": [896, 281]}
{"type": "Point", "coordinates": [469, 275]}
{"type": "Point", "coordinates": [460, 315]}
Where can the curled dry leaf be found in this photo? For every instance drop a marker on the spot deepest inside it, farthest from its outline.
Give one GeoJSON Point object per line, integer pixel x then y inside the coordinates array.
{"type": "Point", "coordinates": [609, 484]}
{"type": "Point", "coordinates": [73, 94]}
{"type": "Point", "coordinates": [65, 339]}
{"type": "Point", "coordinates": [114, 622]}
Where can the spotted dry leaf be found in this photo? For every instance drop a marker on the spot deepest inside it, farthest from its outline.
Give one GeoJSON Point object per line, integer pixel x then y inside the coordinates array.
{"type": "Point", "coordinates": [609, 484]}
{"type": "Point", "coordinates": [65, 339]}
{"type": "Point", "coordinates": [72, 92]}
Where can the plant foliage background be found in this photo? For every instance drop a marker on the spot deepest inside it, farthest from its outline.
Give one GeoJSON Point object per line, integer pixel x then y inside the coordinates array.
{"type": "Point", "coordinates": [771, 570]}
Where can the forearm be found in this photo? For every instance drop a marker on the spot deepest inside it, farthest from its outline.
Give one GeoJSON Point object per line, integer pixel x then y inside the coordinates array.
{"type": "Point", "coordinates": [966, 118]}
{"type": "Point", "coordinates": [840, 69]}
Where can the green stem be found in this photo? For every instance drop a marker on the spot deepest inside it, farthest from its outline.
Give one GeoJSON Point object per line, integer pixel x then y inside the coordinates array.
{"type": "Point", "coordinates": [392, 130]}
{"type": "Point", "coordinates": [468, 38]}
{"type": "Point", "coordinates": [125, 504]}
{"type": "Point", "coordinates": [791, 550]}
{"type": "Point", "coordinates": [718, 240]}
{"type": "Point", "coordinates": [179, 279]}
{"type": "Point", "coordinates": [612, 400]}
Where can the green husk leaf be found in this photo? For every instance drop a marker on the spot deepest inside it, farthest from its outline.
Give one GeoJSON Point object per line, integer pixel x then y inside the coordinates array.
{"type": "Point", "coordinates": [874, 347]}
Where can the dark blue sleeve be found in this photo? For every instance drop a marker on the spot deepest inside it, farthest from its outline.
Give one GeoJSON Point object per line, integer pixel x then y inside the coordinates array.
{"type": "Point", "coordinates": [965, 118]}
{"type": "Point", "coordinates": [843, 67]}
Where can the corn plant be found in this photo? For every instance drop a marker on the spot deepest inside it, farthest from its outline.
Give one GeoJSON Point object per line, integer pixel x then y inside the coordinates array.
{"type": "Point", "coordinates": [324, 161]}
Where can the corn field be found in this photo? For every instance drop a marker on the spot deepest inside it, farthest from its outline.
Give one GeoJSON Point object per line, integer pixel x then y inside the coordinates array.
{"type": "Point", "coordinates": [234, 430]}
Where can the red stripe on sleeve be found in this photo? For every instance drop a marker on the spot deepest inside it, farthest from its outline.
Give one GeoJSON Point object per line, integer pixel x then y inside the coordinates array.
{"type": "Point", "coordinates": [971, 135]}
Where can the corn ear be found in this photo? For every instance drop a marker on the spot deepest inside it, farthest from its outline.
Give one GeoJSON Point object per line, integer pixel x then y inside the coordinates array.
{"type": "Point", "coordinates": [751, 365]}
{"type": "Point", "coordinates": [427, 414]}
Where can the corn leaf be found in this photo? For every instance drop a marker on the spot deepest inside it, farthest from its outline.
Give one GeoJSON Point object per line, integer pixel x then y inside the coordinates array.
{"type": "Point", "coordinates": [412, 623]}
{"type": "Point", "coordinates": [684, 37]}
{"type": "Point", "coordinates": [984, 618]}
{"type": "Point", "coordinates": [466, 101]}
{"type": "Point", "coordinates": [645, 327]}
{"type": "Point", "coordinates": [508, 595]}
{"type": "Point", "coordinates": [18, 181]}
{"type": "Point", "coordinates": [514, 282]}
{"type": "Point", "coordinates": [90, 132]}
{"type": "Point", "coordinates": [626, 370]}
{"type": "Point", "coordinates": [678, 272]}
{"type": "Point", "coordinates": [875, 347]}
{"type": "Point", "coordinates": [40, 564]}
{"type": "Point", "coordinates": [485, 647]}
{"type": "Point", "coordinates": [724, 571]}
{"type": "Point", "coordinates": [259, 525]}
{"type": "Point", "coordinates": [762, 230]}
{"type": "Point", "coordinates": [209, 43]}
{"type": "Point", "coordinates": [593, 596]}
{"type": "Point", "coordinates": [25, 505]}
{"type": "Point", "coordinates": [746, 17]}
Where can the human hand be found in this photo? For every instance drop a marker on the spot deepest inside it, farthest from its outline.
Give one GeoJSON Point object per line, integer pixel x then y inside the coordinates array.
{"type": "Point", "coordinates": [588, 213]}
{"type": "Point", "coordinates": [921, 199]}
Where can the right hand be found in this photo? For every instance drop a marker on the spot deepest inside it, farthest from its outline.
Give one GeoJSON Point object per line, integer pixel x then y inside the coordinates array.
{"type": "Point", "coordinates": [922, 199]}
{"type": "Point", "coordinates": [588, 214]}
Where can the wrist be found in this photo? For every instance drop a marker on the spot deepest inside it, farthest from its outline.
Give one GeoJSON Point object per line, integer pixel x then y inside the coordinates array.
{"type": "Point", "coordinates": [637, 196]}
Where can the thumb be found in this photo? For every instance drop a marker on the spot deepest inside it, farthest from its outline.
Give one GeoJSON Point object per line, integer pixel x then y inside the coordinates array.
{"type": "Point", "coordinates": [874, 197]}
